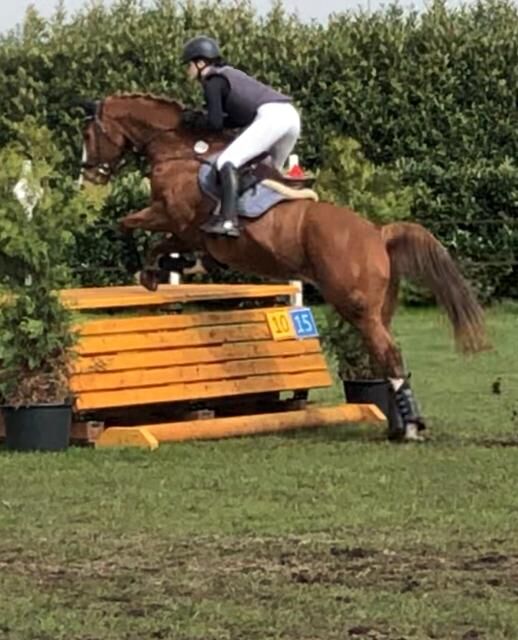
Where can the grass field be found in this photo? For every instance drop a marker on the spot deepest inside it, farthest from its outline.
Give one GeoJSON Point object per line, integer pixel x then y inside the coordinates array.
{"type": "Point", "coordinates": [329, 534]}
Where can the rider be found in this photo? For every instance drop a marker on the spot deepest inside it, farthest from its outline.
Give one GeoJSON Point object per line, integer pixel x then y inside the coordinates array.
{"type": "Point", "coordinates": [236, 100]}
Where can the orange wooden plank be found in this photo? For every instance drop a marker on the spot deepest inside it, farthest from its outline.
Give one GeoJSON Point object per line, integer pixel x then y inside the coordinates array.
{"type": "Point", "coordinates": [194, 355]}
{"type": "Point", "coordinates": [200, 390]}
{"type": "Point", "coordinates": [150, 436]}
{"type": "Point", "coordinates": [197, 373]}
{"type": "Point", "coordinates": [259, 290]}
{"type": "Point", "coordinates": [181, 338]}
{"type": "Point", "coordinates": [173, 321]}
{"type": "Point", "coordinates": [112, 297]}
{"type": "Point", "coordinates": [253, 424]}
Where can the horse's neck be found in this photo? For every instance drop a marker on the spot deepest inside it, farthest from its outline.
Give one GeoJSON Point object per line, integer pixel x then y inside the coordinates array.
{"type": "Point", "coordinates": [170, 147]}
{"type": "Point", "coordinates": [164, 145]}
{"type": "Point", "coordinates": [174, 182]}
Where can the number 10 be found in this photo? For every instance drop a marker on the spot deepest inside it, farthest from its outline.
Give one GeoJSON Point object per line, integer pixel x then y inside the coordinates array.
{"type": "Point", "coordinates": [281, 324]}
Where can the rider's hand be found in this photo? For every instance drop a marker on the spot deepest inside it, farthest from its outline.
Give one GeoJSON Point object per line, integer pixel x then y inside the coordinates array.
{"type": "Point", "coordinates": [194, 119]}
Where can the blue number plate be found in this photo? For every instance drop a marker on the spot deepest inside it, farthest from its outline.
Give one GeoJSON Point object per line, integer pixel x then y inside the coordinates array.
{"type": "Point", "coordinates": [304, 323]}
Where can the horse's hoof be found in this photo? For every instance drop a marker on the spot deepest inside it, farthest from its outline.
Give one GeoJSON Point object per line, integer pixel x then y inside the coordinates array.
{"type": "Point", "coordinates": [194, 270]}
{"type": "Point", "coordinates": [412, 433]}
{"type": "Point", "coordinates": [396, 427]}
{"type": "Point", "coordinates": [149, 280]}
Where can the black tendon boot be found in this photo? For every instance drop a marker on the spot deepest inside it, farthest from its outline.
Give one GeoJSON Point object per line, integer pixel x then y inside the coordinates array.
{"type": "Point", "coordinates": [411, 421]}
{"type": "Point", "coordinates": [225, 223]}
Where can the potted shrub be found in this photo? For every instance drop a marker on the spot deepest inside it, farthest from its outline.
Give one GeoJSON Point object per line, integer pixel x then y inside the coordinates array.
{"type": "Point", "coordinates": [40, 212]}
{"type": "Point", "coordinates": [362, 381]}
{"type": "Point", "coordinates": [35, 349]}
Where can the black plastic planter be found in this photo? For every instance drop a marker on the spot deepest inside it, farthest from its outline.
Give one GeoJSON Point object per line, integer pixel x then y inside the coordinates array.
{"type": "Point", "coordinates": [42, 427]}
{"type": "Point", "coordinates": [376, 392]}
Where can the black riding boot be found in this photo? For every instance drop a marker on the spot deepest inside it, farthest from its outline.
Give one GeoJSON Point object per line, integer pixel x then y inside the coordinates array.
{"type": "Point", "coordinates": [225, 223]}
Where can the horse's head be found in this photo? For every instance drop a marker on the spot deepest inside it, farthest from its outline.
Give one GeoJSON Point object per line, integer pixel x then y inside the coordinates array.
{"type": "Point", "coordinates": [104, 143]}
{"type": "Point", "coordinates": [126, 122]}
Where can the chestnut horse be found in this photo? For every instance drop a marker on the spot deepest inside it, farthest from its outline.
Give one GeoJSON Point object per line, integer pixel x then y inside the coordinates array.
{"type": "Point", "coordinates": [355, 264]}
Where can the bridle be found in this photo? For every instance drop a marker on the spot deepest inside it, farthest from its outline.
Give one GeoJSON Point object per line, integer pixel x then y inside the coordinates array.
{"type": "Point", "coordinates": [104, 169]}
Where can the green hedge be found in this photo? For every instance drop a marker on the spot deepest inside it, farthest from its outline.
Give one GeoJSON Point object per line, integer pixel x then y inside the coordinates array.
{"type": "Point", "coordinates": [103, 254]}
{"type": "Point", "coordinates": [432, 95]}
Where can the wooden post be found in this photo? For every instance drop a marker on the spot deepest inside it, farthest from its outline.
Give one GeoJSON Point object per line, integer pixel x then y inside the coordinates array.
{"type": "Point", "coordinates": [297, 298]}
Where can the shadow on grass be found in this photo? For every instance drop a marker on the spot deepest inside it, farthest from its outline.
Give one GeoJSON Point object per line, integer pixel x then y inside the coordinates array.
{"type": "Point", "coordinates": [356, 432]}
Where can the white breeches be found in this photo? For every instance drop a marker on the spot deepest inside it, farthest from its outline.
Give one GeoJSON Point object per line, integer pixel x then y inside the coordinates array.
{"type": "Point", "coordinates": [275, 130]}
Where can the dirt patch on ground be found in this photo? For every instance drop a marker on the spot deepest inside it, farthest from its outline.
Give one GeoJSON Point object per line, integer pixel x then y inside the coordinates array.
{"type": "Point", "coordinates": [491, 443]}
{"type": "Point", "coordinates": [251, 570]}
{"type": "Point", "coordinates": [300, 561]}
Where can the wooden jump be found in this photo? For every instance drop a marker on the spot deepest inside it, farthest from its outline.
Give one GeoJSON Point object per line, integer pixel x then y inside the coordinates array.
{"type": "Point", "coordinates": [168, 374]}
{"type": "Point", "coordinates": [172, 358]}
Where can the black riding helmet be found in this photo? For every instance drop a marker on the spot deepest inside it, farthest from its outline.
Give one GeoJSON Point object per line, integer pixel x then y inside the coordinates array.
{"type": "Point", "coordinates": [201, 47]}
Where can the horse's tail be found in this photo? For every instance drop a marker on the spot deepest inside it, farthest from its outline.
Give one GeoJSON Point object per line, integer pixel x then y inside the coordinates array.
{"type": "Point", "coordinates": [415, 253]}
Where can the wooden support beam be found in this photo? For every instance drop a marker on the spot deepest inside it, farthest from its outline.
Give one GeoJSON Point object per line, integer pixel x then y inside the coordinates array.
{"type": "Point", "coordinates": [151, 436]}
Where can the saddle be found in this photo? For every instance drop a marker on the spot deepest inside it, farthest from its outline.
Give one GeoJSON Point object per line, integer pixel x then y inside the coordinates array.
{"type": "Point", "coordinates": [258, 170]}
{"type": "Point", "coordinates": [261, 187]}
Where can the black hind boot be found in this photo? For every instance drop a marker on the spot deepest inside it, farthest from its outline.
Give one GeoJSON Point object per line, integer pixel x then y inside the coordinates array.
{"type": "Point", "coordinates": [410, 422]}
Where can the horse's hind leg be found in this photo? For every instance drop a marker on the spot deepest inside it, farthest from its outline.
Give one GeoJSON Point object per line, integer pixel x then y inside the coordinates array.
{"type": "Point", "coordinates": [384, 350]}
{"type": "Point", "coordinates": [390, 302]}
{"type": "Point", "coordinates": [366, 297]}
{"type": "Point", "coordinates": [372, 319]}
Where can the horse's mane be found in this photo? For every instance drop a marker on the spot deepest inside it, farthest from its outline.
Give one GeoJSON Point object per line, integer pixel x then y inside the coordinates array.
{"type": "Point", "coordinates": [171, 102]}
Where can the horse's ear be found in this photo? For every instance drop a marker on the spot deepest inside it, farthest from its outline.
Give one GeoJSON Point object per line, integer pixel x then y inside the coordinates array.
{"type": "Point", "coordinates": [88, 106]}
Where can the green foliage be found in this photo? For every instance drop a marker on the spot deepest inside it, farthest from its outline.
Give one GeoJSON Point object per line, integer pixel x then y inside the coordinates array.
{"type": "Point", "coordinates": [35, 329]}
{"type": "Point", "coordinates": [349, 179]}
{"type": "Point", "coordinates": [485, 238]}
{"type": "Point", "coordinates": [38, 247]}
{"type": "Point", "coordinates": [345, 346]}
{"type": "Point", "coordinates": [103, 254]}
{"type": "Point", "coordinates": [432, 94]}
{"type": "Point", "coordinates": [36, 340]}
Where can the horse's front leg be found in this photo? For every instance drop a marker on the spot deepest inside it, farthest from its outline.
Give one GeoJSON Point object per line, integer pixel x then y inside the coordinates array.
{"type": "Point", "coordinates": [151, 218]}
{"type": "Point", "coordinates": [156, 261]}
